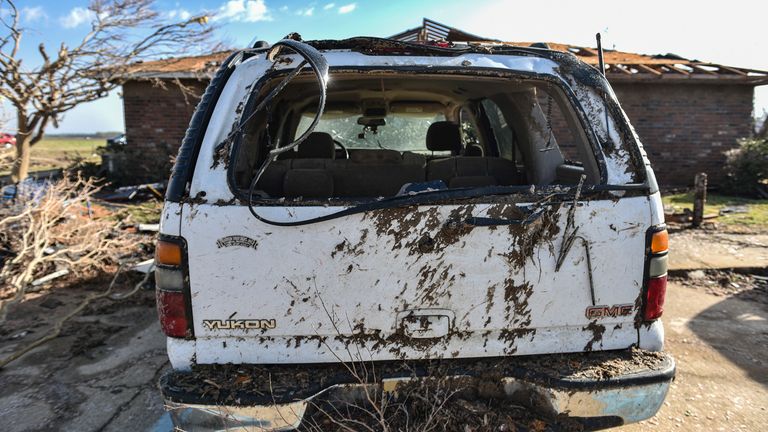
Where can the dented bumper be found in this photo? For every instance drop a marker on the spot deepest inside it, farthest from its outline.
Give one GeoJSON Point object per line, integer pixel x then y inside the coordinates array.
{"type": "Point", "coordinates": [625, 395]}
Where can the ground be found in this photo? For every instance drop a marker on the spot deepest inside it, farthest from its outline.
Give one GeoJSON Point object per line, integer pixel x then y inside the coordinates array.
{"type": "Point", "coordinates": [102, 373]}
{"type": "Point", "coordinates": [55, 152]}
{"type": "Point", "coordinates": [720, 344]}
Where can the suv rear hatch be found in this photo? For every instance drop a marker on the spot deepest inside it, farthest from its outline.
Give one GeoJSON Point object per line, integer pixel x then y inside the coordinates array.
{"type": "Point", "coordinates": [483, 271]}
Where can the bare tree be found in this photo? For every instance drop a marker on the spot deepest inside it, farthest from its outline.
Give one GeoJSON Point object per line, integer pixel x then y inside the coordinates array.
{"type": "Point", "coordinates": [122, 32]}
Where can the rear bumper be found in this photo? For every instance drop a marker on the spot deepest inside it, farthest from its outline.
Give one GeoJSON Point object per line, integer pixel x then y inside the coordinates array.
{"type": "Point", "coordinates": [617, 391]}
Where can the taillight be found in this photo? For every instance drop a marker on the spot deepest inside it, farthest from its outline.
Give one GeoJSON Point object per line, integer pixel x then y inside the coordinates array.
{"type": "Point", "coordinates": [168, 252]}
{"type": "Point", "coordinates": [172, 300]}
{"type": "Point", "coordinates": [654, 297]}
{"type": "Point", "coordinates": [656, 282]}
{"type": "Point", "coordinates": [172, 310]}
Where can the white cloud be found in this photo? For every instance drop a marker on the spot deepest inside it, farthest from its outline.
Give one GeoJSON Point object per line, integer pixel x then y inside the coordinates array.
{"type": "Point", "coordinates": [347, 8]}
{"type": "Point", "coordinates": [244, 10]}
{"type": "Point", "coordinates": [31, 14]}
{"type": "Point", "coordinates": [308, 11]}
{"type": "Point", "coordinates": [329, 6]}
{"type": "Point", "coordinates": [182, 14]}
{"type": "Point", "coordinates": [76, 17]}
{"type": "Point", "coordinates": [283, 8]}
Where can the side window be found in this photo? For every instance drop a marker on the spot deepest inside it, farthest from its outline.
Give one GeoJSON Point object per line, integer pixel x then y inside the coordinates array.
{"type": "Point", "coordinates": [559, 130]}
{"type": "Point", "coordinates": [469, 134]}
{"type": "Point", "coordinates": [503, 132]}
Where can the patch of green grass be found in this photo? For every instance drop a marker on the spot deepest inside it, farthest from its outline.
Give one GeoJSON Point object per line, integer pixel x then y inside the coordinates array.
{"type": "Point", "coordinates": [757, 210]}
{"type": "Point", "coordinates": [147, 212]}
{"type": "Point", "coordinates": [63, 149]}
{"type": "Point", "coordinates": [53, 152]}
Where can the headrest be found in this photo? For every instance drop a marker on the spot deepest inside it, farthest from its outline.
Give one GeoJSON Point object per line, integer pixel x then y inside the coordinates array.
{"type": "Point", "coordinates": [444, 136]}
{"type": "Point", "coordinates": [473, 150]}
{"type": "Point", "coordinates": [318, 145]}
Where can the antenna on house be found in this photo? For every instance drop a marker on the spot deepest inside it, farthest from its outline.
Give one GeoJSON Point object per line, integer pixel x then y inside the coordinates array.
{"type": "Point", "coordinates": [600, 54]}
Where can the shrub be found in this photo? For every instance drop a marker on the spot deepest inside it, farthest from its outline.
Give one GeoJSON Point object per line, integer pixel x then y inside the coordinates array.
{"type": "Point", "coordinates": [747, 168]}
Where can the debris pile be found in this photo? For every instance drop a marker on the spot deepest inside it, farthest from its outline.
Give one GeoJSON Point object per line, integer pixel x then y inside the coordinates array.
{"type": "Point", "coordinates": [55, 229]}
{"type": "Point", "coordinates": [746, 285]}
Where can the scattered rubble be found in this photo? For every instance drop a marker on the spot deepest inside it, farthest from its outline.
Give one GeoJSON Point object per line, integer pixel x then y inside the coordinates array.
{"type": "Point", "coordinates": [748, 286]}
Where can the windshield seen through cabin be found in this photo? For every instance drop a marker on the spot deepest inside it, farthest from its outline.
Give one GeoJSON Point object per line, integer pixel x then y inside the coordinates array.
{"type": "Point", "coordinates": [401, 132]}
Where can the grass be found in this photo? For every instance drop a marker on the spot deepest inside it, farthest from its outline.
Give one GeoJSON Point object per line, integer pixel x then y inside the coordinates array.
{"type": "Point", "coordinates": [51, 153]}
{"type": "Point", "coordinates": [147, 212]}
{"type": "Point", "coordinates": [756, 214]}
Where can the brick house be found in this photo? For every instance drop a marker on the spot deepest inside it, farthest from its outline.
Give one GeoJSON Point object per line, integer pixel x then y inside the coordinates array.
{"type": "Point", "coordinates": [687, 113]}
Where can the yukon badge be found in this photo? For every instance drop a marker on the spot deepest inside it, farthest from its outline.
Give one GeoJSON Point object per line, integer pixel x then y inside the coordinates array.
{"type": "Point", "coordinates": [245, 324]}
{"type": "Point", "coordinates": [604, 311]}
{"type": "Point", "coordinates": [237, 240]}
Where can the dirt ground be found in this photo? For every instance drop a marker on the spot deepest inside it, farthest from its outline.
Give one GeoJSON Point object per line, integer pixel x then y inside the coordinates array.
{"type": "Point", "coordinates": [719, 340]}
{"type": "Point", "coordinates": [101, 374]}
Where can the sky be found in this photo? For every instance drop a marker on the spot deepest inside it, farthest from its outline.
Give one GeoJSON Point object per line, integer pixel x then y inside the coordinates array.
{"type": "Point", "coordinates": [729, 33]}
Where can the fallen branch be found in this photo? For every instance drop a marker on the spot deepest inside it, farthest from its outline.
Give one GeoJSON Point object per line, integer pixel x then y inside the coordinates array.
{"type": "Point", "coordinates": [51, 230]}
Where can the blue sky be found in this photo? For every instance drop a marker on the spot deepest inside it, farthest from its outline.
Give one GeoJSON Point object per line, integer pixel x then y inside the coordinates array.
{"type": "Point", "coordinates": [729, 33]}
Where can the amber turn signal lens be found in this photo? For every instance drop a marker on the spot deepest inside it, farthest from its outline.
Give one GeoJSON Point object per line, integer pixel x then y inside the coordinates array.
{"type": "Point", "coordinates": [168, 253]}
{"type": "Point", "coordinates": [660, 242]}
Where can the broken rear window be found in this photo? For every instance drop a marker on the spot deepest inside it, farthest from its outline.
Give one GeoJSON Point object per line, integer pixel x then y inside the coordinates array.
{"type": "Point", "coordinates": [392, 134]}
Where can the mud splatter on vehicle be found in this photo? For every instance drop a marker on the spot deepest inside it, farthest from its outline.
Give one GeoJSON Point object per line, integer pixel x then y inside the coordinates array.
{"type": "Point", "coordinates": [389, 236]}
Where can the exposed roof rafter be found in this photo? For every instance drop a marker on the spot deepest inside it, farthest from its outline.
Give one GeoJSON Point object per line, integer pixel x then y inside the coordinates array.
{"type": "Point", "coordinates": [621, 66]}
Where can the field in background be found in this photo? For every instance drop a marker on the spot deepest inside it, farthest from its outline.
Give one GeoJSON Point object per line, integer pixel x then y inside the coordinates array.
{"type": "Point", "coordinates": [55, 152]}
{"type": "Point", "coordinates": [735, 210]}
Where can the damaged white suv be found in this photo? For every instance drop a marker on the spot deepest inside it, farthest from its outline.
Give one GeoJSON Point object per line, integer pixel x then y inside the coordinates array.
{"type": "Point", "coordinates": [367, 204]}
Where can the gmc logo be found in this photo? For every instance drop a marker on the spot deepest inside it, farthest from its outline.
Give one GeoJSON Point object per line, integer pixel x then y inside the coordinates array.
{"type": "Point", "coordinates": [604, 311]}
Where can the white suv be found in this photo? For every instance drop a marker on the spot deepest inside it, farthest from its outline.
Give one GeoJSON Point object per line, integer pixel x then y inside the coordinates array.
{"type": "Point", "coordinates": [367, 201]}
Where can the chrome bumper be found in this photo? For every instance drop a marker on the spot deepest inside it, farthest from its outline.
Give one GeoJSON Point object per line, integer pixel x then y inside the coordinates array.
{"type": "Point", "coordinates": [595, 403]}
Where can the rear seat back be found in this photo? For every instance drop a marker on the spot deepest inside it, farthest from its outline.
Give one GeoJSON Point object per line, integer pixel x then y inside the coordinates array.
{"type": "Point", "coordinates": [368, 173]}
{"type": "Point", "coordinates": [465, 171]}
{"type": "Point", "coordinates": [372, 173]}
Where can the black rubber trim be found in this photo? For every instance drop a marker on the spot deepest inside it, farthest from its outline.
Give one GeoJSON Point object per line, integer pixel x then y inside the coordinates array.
{"type": "Point", "coordinates": [176, 387]}
{"type": "Point", "coordinates": [186, 159]}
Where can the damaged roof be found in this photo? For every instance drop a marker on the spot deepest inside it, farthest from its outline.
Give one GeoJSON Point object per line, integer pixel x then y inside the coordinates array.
{"type": "Point", "coordinates": [620, 66]}
{"type": "Point", "coordinates": [202, 66]}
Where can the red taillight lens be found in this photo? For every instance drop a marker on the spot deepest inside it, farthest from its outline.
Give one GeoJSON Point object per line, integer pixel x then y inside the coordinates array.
{"type": "Point", "coordinates": [172, 310]}
{"type": "Point", "coordinates": [654, 300]}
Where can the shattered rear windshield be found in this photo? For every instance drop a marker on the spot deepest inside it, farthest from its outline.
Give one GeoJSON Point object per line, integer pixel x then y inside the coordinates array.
{"type": "Point", "coordinates": [388, 134]}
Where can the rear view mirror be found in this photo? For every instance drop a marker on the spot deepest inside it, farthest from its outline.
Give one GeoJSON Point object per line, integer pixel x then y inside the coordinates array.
{"type": "Point", "coordinates": [371, 122]}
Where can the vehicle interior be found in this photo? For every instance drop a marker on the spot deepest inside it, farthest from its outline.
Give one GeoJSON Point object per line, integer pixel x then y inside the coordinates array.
{"type": "Point", "coordinates": [383, 135]}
